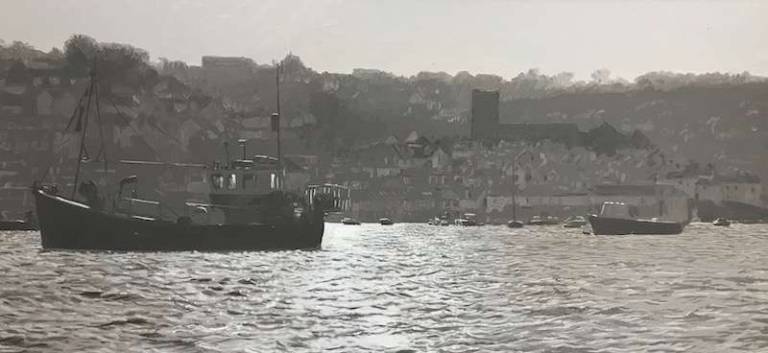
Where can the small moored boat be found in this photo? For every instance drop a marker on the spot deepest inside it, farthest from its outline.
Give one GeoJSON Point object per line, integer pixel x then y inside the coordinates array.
{"type": "Point", "coordinates": [722, 222]}
{"type": "Point", "coordinates": [28, 223]}
{"type": "Point", "coordinates": [467, 220]}
{"type": "Point", "coordinates": [543, 221]}
{"type": "Point", "coordinates": [386, 221]}
{"type": "Point", "coordinates": [574, 222]}
{"type": "Point", "coordinates": [350, 221]}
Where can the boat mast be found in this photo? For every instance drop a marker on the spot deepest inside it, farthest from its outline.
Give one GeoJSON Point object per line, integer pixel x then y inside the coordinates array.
{"type": "Point", "coordinates": [514, 191]}
{"type": "Point", "coordinates": [277, 125]}
{"type": "Point", "coordinates": [83, 125]}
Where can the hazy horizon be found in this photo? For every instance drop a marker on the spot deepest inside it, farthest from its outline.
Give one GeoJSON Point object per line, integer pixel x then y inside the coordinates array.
{"type": "Point", "coordinates": [495, 37]}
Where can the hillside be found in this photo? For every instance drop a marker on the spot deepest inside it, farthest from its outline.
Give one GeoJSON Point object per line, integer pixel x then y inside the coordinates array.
{"type": "Point", "coordinates": [188, 111]}
{"type": "Point", "coordinates": [726, 125]}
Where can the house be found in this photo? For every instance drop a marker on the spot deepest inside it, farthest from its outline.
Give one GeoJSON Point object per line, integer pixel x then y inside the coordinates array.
{"type": "Point", "coordinates": [735, 196]}
{"type": "Point", "coordinates": [741, 187]}
{"type": "Point", "coordinates": [43, 103]}
{"type": "Point", "coordinates": [378, 159]}
{"type": "Point", "coordinates": [440, 159]}
{"type": "Point", "coordinates": [534, 200]}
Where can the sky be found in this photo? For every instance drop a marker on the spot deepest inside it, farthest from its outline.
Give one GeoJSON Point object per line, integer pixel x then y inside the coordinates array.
{"type": "Point", "coordinates": [500, 37]}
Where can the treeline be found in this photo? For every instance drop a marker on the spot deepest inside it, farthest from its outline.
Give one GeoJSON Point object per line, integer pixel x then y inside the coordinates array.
{"type": "Point", "coordinates": [83, 55]}
{"type": "Point", "coordinates": [351, 108]}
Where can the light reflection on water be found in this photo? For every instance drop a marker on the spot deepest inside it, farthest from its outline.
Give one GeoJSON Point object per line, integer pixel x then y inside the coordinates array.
{"type": "Point", "coordinates": [406, 287]}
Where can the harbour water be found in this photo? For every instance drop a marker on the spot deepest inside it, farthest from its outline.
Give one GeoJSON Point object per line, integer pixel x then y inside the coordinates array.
{"type": "Point", "coordinates": [406, 288]}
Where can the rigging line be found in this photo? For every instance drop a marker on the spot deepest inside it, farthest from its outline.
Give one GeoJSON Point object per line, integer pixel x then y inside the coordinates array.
{"type": "Point", "coordinates": [166, 134]}
{"type": "Point", "coordinates": [102, 147]}
{"type": "Point", "coordinates": [128, 121]}
{"type": "Point", "coordinates": [54, 149]}
{"type": "Point", "coordinates": [83, 135]}
{"type": "Point", "coordinates": [78, 109]}
{"type": "Point", "coordinates": [120, 114]}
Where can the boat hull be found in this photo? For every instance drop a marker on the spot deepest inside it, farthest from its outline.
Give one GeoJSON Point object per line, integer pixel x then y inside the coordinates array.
{"type": "Point", "coordinates": [65, 224]}
{"type": "Point", "coordinates": [620, 226]}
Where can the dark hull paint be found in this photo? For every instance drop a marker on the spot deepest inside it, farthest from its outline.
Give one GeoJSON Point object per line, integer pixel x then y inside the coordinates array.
{"type": "Point", "coordinates": [619, 226]}
{"type": "Point", "coordinates": [66, 224]}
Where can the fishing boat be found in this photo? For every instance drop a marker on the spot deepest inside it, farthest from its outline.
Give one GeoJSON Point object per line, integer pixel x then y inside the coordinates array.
{"type": "Point", "coordinates": [722, 222]}
{"type": "Point", "coordinates": [615, 219]}
{"type": "Point", "coordinates": [256, 211]}
{"type": "Point", "coordinates": [386, 221]}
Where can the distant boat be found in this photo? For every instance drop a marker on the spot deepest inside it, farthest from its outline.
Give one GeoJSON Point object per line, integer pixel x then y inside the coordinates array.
{"type": "Point", "coordinates": [543, 221]}
{"type": "Point", "coordinates": [515, 224]}
{"type": "Point", "coordinates": [16, 224]}
{"type": "Point", "coordinates": [536, 221]}
{"type": "Point", "coordinates": [386, 221]}
{"type": "Point", "coordinates": [574, 222]}
{"type": "Point", "coordinates": [28, 223]}
{"type": "Point", "coordinates": [467, 220]}
{"type": "Point", "coordinates": [614, 219]}
{"type": "Point", "coordinates": [722, 222]}
{"type": "Point", "coordinates": [350, 221]}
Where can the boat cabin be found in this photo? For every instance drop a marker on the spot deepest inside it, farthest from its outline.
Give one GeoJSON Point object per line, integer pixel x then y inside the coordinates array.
{"type": "Point", "coordinates": [257, 176]}
{"type": "Point", "coordinates": [616, 210]}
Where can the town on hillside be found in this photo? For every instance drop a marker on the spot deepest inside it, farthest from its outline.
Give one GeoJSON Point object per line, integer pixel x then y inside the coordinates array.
{"type": "Point", "coordinates": [407, 148]}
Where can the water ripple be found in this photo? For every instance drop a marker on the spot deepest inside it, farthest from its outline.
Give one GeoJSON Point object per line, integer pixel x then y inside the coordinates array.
{"type": "Point", "coordinates": [404, 288]}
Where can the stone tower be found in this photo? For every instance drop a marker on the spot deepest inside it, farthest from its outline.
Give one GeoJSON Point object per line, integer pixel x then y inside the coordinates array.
{"type": "Point", "coordinates": [485, 113]}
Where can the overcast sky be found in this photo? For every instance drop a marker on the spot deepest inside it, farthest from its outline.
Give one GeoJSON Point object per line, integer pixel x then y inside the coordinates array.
{"type": "Point", "coordinates": [407, 36]}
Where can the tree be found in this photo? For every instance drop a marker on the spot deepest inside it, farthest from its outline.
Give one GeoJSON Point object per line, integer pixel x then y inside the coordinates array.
{"type": "Point", "coordinates": [601, 76]}
{"type": "Point", "coordinates": [56, 54]}
{"type": "Point", "coordinates": [19, 51]}
{"type": "Point", "coordinates": [118, 59]}
{"type": "Point", "coordinates": [79, 52]}
{"type": "Point", "coordinates": [563, 79]}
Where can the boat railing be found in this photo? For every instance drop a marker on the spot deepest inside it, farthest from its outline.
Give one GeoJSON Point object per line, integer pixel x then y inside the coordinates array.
{"type": "Point", "coordinates": [338, 197]}
{"type": "Point", "coordinates": [147, 208]}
